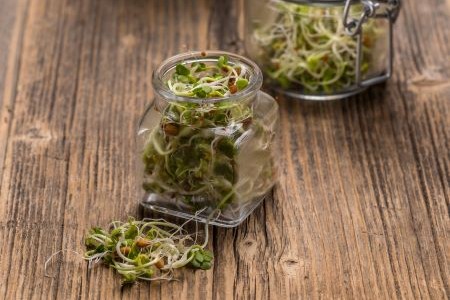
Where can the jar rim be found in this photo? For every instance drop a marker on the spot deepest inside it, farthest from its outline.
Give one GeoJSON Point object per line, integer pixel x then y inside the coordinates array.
{"type": "Point", "coordinates": [160, 87]}
{"type": "Point", "coordinates": [320, 2]}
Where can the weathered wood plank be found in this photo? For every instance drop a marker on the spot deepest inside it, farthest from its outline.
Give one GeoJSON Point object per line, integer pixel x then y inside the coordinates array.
{"type": "Point", "coordinates": [361, 209]}
{"type": "Point", "coordinates": [12, 24]}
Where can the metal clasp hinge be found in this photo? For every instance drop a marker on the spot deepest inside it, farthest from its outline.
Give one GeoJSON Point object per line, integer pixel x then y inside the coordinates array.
{"type": "Point", "coordinates": [353, 25]}
{"type": "Point", "coordinates": [353, 28]}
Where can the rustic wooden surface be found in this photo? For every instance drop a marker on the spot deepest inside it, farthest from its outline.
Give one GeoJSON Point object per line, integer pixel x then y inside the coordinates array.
{"type": "Point", "coordinates": [362, 206]}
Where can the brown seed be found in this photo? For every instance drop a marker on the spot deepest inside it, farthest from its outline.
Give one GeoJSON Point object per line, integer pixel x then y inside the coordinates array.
{"type": "Point", "coordinates": [233, 88]}
{"type": "Point", "coordinates": [170, 129]}
{"type": "Point", "coordinates": [160, 263]}
{"type": "Point", "coordinates": [142, 242]}
{"type": "Point", "coordinates": [238, 70]}
{"type": "Point", "coordinates": [203, 53]}
{"type": "Point", "coordinates": [247, 122]}
{"type": "Point", "coordinates": [367, 41]}
{"type": "Point", "coordinates": [125, 250]}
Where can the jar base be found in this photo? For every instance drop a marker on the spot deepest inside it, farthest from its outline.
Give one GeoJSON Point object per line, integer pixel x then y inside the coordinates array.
{"type": "Point", "coordinates": [319, 97]}
{"type": "Point", "coordinates": [220, 222]}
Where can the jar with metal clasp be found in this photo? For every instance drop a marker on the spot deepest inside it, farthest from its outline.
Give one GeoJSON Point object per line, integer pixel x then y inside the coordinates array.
{"type": "Point", "coordinates": [321, 50]}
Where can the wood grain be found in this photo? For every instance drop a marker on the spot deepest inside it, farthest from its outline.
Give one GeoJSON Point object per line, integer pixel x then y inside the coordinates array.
{"type": "Point", "coordinates": [362, 207]}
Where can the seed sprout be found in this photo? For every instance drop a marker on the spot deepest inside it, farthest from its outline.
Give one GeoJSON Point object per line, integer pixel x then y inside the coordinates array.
{"type": "Point", "coordinates": [146, 250]}
{"type": "Point", "coordinates": [307, 47]}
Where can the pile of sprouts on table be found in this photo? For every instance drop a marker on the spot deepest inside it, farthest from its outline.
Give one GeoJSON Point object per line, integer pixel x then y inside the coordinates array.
{"type": "Point", "coordinates": [306, 47]}
{"type": "Point", "coordinates": [146, 250]}
{"type": "Point", "coordinates": [191, 157]}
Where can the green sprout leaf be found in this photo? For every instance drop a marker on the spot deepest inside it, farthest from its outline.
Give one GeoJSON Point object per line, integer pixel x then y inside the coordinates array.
{"type": "Point", "coordinates": [222, 61]}
{"type": "Point", "coordinates": [200, 92]}
{"type": "Point", "coordinates": [131, 232]}
{"type": "Point", "coordinates": [182, 70]}
{"type": "Point", "coordinates": [241, 84]}
{"type": "Point", "coordinates": [202, 259]}
{"type": "Point", "coordinates": [207, 89]}
{"type": "Point", "coordinates": [183, 78]}
{"type": "Point", "coordinates": [201, 67]}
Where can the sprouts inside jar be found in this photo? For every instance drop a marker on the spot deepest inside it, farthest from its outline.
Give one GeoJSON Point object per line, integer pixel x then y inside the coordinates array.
{"type": "Point", "coordinates": [193, 156]}
{"type": "Point", "coordinates": [201, 80]}
{"type": "Point", "coordinates": [305, 47]}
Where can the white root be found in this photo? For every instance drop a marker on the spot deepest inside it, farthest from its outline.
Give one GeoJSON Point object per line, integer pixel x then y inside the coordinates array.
{"type": "Point", "coordinates": [53, 255]}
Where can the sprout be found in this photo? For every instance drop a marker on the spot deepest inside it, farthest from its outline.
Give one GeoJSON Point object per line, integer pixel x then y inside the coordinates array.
{"type": "Point", "coordinates": [146, 250]}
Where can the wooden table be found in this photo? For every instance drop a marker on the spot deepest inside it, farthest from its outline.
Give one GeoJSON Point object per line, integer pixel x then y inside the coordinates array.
{"type": "Point", "coordinates": [361, 209]}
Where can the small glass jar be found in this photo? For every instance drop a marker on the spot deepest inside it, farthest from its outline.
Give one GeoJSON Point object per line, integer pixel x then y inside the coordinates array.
{"type": "Point", "coordinates": [212, 158]}
{"type": "Point", "coordinates": [321, 50]}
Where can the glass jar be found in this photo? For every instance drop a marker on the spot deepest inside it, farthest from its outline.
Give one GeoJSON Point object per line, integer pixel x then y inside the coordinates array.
{"type": "Point", "coordinates": [211, 158]}
{"type": "Point", "coordinates": [321, 50]}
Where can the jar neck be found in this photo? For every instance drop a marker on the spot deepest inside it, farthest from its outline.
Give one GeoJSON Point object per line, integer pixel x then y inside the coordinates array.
{"type": "Point", "coordinates": [167, 68]}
